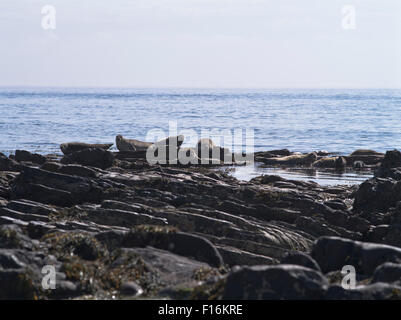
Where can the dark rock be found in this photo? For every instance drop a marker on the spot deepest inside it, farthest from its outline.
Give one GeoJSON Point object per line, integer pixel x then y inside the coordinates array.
{"type": "Point", "coordinates": [54, 188]}
{"type": "Point", "coordinates": [51, 166]}
{"type": "Point", "coordinates": [387, 272]}
{"type": "Point", "coordinates": [7, 164]}
{"type": "Point", "coordinates": [336, 204]}
{"type": "Point", "coordinates": [8, 260]}
{"type": "Point", "coordinates": [332, 253]}
{"type": "Point", "coordinates": [11, 236]}
{"type": "Point", "coordinates": [16, 284]}
{"type": "Point", "coordinates": [37, 229]}
{"type": "Point", "coordinates": [116, 217]}
{"type": "Point", "coordinates": [44, 194]}
{"type": "Point", "coordinates": [64, 289]}
{"type": "Point", "coordinates": [234, 257]}
{"type": "Point", "coordinates": [300, 259]}
{"type": "Point", "coordinates": [184, 244]}
{"type": "Point", "coordinates": [26, 156]}
{"type": "Point", "coordinates": [31, 207]}
{"type": "Point", "coordinates": [77, 170]}
{"type": "Point", "coordinates": [94, 157]}
{"type": "Point", "coordinates": [274, 282]}
{"type": "Point", "coordinates": [130, 288]}
{"type": "Point", "coordinates": [377, 233]}
{"type": "Point", "coordinates": [71, 147]}
{"type": "Point", "coordinates": [376, 291]}
{"type": "Point", "coordinates": [392, 159]}
{"type": "Point", "coordinates": [377, 193]}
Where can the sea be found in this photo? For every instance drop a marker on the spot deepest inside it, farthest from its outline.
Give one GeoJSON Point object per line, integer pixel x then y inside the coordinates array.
{"type": "Point", "coordinates": [302, 120]}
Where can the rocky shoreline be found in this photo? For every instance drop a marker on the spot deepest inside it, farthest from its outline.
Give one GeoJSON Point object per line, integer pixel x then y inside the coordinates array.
{"type": "Point", "coordinates": [116, 227]}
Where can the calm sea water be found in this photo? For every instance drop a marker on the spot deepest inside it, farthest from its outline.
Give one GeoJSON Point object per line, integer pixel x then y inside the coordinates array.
{"type": "Point", "coordinates": [39, 119]}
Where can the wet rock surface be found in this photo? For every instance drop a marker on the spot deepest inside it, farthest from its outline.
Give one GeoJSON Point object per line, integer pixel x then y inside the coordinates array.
{"type": "Point", "coordinates": [113, 226]}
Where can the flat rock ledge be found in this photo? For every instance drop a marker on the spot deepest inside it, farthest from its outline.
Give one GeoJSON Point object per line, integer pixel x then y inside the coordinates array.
{"type": "Point", "coordinates": [113, 226]}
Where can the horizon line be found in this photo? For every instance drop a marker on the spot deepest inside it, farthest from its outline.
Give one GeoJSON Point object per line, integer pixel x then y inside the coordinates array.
{"type": "Point", "coordinates": [198, 87]}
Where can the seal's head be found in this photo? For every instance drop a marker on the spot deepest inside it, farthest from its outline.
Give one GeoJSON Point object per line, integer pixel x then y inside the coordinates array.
{"type": "Point", "coordinates": [119, 138]}
{"type": "Point", "coordinates": [311, 157]}
{"type": "Point", "coordinates": [63, 147]}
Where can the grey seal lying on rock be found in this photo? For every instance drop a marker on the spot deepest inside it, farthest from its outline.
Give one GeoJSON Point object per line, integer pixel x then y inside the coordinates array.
{"type": "Point", "coordinates": [296, 159]}
{"type": "Point", "coordinates": [331, 162]}
{"type": "Point", "coordinates": [71, 147]}
{"type": "Point", "coordinates": [206, 149]}
{"type": "Point", "coordinates": [136, 145]}
{"type": "Point", "coordinates": [131, 144]}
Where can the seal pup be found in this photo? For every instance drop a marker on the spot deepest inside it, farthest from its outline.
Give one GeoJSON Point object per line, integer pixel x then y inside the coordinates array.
{"type": "Point", "coordinates": [70, 147]}
{"type": "Point", "coordinates": [131, 144]}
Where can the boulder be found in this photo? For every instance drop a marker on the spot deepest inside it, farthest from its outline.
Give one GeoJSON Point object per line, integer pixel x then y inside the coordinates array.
{"type": "Point", "coordinates": [7, 164]}
{"type": "Point", "coordinates": [377, 193]}
{"type": "Point", "coordinates": [55, 188]}
{"type": "Point", "coordinates": [376, 291]}
{"type": "Point", "coordinates": [130, 288]}
{"type": "Point", "coordinates": [26, 156]}
{"type": "Point", "coordinates": [387, 272]}
{"type": "Point", "coordinates": [301, 259]}
{"type": "Point", "coordinates": [392, 159]}
{"type": "Point", "coordinates": [94, 157]}
{"type": "Point", "coordinates": [71, 147]}
{"type": "Point", "coordinates": [185, 244]}
{"type": "Point", "coordinates": [285, 281]}
{"type": "Point", "coordinates": [390, 166]}
{"type": "Point", "coordinates": [77, 170]}
{"type": "Point", "coordinates": [51, 166]}
{"type": "Point", "coordinates": [333, 253]}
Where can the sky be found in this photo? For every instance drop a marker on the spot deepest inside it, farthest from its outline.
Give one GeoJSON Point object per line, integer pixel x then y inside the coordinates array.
{"type": "Point", "coordinates": [201, 43]}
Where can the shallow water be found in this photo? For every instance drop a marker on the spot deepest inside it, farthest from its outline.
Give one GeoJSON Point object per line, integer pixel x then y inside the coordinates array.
{"type": "Point", "coordinates": [321, 177]}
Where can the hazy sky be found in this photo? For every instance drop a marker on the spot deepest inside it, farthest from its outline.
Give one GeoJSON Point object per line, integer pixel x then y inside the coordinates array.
{"type": "Point", "coordinates": [201, 43]}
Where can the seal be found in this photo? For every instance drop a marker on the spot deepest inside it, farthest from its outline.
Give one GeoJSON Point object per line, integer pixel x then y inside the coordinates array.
{"type": "Point", "coordinates": [136, 145]}
{"type": "Point", "coordinates": [330, 162]}
{"type": "Point", "coordinates": [206, 149]}
{"type": "Point", "coordinates": [131, 144]}
{"type": "Point", "coordinates": [187, 156]}
{"type": "Point", "coordinates": [71, 147]}
{"type": "Point", "coordinates": [293, 160]}
{"type": "Point", "coordinates": [173, 141]}
{"type": "Point", "coordinates": [369, 157]}
{"type": "Point", "coordinates": [165, 150]}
